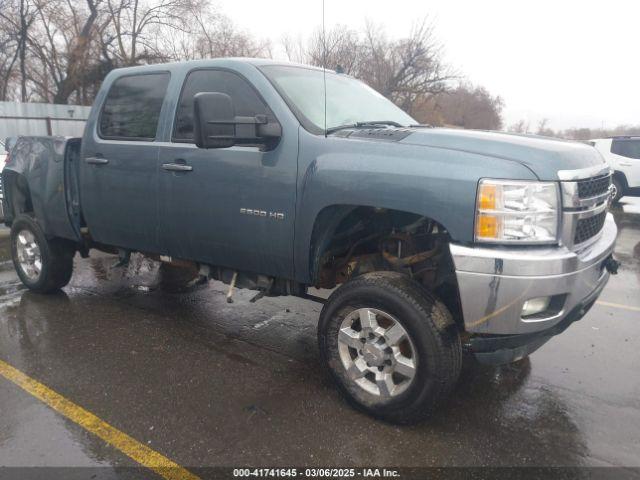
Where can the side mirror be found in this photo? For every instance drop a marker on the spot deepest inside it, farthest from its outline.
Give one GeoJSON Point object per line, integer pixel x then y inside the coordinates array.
{"type": "Point", "coordinates": [217, 126]}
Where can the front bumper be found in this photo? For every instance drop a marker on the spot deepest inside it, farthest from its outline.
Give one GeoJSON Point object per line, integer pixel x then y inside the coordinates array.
{"type": "Point", "coordinates": [502, 349]}
{"type": "Point", "coordinates": [494, 283]}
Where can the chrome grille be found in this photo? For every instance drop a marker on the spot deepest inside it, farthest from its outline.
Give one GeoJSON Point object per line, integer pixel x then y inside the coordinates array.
{"type": "Point", "coordinates": [585, 197]}
{"type": "Point", "coordinates": [589, 227]}
{"type": "Point", "coordinates": [593, 187]}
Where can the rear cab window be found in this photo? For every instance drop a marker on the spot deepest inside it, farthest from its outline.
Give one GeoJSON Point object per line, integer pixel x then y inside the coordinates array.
{"type": "Point", "coordinates": [132, 108]}
{"type": "Point", "coordinates": [626, 147]}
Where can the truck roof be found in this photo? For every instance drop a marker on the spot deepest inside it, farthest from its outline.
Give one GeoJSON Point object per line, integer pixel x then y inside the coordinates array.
{"type": "Point", "coordinates": [212, 62]}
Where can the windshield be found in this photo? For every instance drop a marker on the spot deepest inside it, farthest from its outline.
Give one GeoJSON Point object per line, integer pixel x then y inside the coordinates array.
{"type": "Point", "coordinates": [349, 101]}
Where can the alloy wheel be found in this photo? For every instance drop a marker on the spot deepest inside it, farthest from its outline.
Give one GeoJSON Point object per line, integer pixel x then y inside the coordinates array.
{"type": "Point", "coordinates": [29, 255]}
{"type": "Point", "coordinates": [377, 352]}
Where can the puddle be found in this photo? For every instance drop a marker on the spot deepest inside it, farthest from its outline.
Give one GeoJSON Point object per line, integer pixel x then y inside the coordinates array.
{"type": "Point", "coordinates": [10, 292]}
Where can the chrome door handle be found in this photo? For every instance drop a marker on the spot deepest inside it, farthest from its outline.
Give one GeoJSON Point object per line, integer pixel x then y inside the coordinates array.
{"type": "Point", "coordinates": [177, 167]}
{"type": "Point", "coordinates": [96, 160]}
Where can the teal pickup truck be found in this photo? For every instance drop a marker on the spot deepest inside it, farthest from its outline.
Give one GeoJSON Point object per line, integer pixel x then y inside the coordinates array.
{"type": "Point", "coordinates": [436, 241]}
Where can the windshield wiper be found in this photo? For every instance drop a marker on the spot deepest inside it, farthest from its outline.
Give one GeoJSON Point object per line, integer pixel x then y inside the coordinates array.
{"type": "Point", "coordinates": [373, 123]}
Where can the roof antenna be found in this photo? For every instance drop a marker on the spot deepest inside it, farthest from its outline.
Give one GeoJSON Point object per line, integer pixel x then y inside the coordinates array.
{"type": "Point", "coordinates": [324, 69]}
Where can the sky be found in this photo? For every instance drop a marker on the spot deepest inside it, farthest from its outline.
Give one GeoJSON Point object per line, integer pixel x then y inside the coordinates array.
{"type": "Point", "coordinates": [575, 63]}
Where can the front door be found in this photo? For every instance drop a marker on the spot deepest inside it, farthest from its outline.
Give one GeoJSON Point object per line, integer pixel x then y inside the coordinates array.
{"type": "Point", "coordinates": [234, 206]}
{"type": "Point", "coordinates": [119, 167]}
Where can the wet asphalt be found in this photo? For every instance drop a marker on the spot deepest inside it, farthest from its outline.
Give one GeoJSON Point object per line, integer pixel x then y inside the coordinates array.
{"type": "Point", "coordinates": [207, 383]}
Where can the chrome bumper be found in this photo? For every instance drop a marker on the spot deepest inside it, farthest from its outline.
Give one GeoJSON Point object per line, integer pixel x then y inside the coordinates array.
{"type": "Point", "coordinates": [494, 283]}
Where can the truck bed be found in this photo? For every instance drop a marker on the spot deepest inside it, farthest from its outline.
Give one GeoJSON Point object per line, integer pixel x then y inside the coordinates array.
{"type": "Point", "coordinates": [42, 176]}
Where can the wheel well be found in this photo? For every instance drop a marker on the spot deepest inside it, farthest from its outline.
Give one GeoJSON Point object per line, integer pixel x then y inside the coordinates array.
{"type": "Point", "coordinates": [348, 241]}
{"type": "Point", "coordinates": [621, 178]}
{"type": "Point", "coordinates": [18, 196]}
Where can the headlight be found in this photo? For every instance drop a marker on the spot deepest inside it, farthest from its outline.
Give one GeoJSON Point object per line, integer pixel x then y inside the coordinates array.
{"type": "Point", "coordinates": [516, 212]}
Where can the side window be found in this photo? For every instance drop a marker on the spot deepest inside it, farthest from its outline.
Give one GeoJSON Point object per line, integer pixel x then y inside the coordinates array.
{"type": "Point", "coordinates": [245, 99]}
{"type": "Point", "coordinates": [132, 107]}
{"type": "Point", "coordinates": [626, 147]}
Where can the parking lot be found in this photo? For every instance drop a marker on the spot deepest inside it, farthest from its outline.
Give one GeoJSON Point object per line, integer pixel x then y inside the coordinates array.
{"type": "Point", "coordinates": [207, 383]}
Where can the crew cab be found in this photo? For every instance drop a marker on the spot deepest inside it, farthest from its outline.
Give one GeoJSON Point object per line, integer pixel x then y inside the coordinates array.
{"type": "Point", "coordinates": [622, 153]}
{"type": "Point", "coordinates": [279, 177]}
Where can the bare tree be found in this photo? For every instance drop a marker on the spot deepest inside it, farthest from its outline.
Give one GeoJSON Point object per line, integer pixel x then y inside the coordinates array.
{"type": "Point", "coordinates": [580, 134]}
{"type": "Point", "coordinates": [17, 18]}
{"type": "Point", "coordinates": [25, 20]}
{"type": "Point", "coordinates": [63, 45]}
{"type": "Point", "coordinates": [9, 50]}
{"type": "Point", "coordinates": [295, 49]}
{"type": "Point", "coordinates": [71, 46]}
{"type": "Point", "coordinates": [544, 130]}
{"type": "Point", "coordinates": [210, 34]}
{"type": "Point", "coordinates": [341, 48]}
{"type": "Point", "coordinates": [403, 70]}
{"type": "Point", "coordinates": [589, 133]}
{"type": "Point", "coordinates": [60, 50]}
{"type": "Point", "coordinates": [520, 126]}
{"type": "Point", "coordinates": [217, 36]}
{"type": "Point", "coordinates": [465, 106]}
{"type": "Point", "coordinates": [133, 28]}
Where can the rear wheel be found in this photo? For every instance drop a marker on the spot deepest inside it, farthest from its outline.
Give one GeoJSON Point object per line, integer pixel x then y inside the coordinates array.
{"type": "Point", "coordinates": [43, 265]}
{"type": "Point", "coordinates": [392, 347]}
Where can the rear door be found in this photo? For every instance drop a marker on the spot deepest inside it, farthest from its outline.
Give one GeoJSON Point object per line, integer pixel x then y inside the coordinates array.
{"type": "Point", "coordinates": [627, 152]}
{"type": "Point", "coordinates": [234, 206]}
{"type": "Point", "coordinates": [119, 167]}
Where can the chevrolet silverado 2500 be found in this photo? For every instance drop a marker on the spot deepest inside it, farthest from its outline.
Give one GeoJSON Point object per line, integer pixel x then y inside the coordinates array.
{"type": "Point", "coordinates": [436, 241]}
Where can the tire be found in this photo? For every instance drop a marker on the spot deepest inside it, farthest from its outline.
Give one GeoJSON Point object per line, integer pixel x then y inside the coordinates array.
{"type": "Point", "coordinates": [430, 343]}
{"type": "Point", "coordinates": [43, 265]}
{"type": "Point", "coordinates": [618, 191]}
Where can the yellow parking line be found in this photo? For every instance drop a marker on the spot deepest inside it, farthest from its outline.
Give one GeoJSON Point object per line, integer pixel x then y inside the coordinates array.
{"type": "Point", "coordinates": [618, 305]}
{"type": "Point", "coordinates": [87, 420]}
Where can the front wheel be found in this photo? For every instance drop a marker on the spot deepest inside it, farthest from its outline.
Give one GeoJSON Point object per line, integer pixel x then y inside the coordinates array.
{"type": "Point", "coordinates": [391, 346]}
{"type": "Point", "coordinates": [43, 265]}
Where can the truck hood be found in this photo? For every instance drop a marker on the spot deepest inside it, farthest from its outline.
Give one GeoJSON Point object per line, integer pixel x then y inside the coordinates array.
{"type": "Point", "coordinates": [542, 155]}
